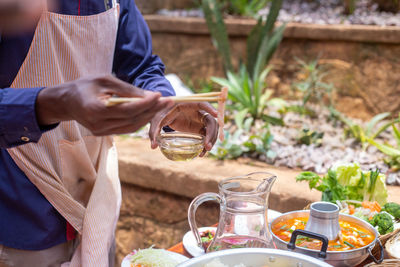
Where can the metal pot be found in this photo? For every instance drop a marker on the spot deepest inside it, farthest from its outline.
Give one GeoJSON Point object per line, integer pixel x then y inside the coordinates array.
{"type": "Point", "coordinates": [256, 257]}
{"type": "Point", "coordinates": [335, 258]}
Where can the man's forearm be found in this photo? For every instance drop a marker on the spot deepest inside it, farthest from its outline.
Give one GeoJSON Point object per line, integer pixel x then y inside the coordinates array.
{"type": "Point", "coordinates": [18, 123]}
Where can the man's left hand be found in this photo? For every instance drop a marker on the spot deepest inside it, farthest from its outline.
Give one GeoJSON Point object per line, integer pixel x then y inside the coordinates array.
{"type": "Point", "coordinates": [187, 117]}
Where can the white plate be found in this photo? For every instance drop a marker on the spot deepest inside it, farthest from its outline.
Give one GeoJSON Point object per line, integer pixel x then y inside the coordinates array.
{"type": "Point", "coordinates": [176, 256]}
{"type": "Point", "coordinates": [190, 244]}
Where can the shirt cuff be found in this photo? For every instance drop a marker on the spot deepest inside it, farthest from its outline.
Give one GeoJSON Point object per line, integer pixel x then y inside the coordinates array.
{"type": "Point", "coordinates": [18, 116]}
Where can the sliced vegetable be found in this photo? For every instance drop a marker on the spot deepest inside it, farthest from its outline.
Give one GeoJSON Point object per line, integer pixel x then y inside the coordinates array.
{"type": "Point", "coordinates": [373, 206]}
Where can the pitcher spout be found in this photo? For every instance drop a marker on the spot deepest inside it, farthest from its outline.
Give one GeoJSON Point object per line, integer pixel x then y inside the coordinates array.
{"type": "Point", "coordinates": [266, 180]}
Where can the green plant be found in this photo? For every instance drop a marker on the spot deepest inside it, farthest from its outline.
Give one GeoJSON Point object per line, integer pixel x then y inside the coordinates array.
{"type": "Point", "coordinates": [311, 84]}
{"type": "Point", "coordinates": [247, 8]}
{"type": "Point", "coordinates": [392, 153]}
{"type": "Point", "coordinates": [201, 85]}
{"type": "Point", "coordinates": [261, 43]}
{"type": "Point", "coordinates": [308, 137]}
{"type": "Point", "coordinates": [264, 40]}
{"type": "Point", "coordinates": [250, 96]}
{"type": "Point", "coordinates": [364, 134]}
{"type": "Point", "coordinates": [299, 109]}
{"type": "Point", "coordinates": [247, 88]}
{"type": "Point", "coordinates": [240, 142]}
{"type": "Point", "coordinates": [217, 28]}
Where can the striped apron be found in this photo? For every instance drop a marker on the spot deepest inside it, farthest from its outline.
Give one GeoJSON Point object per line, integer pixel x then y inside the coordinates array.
{"type": "Point", "coordinates": [75, 171]}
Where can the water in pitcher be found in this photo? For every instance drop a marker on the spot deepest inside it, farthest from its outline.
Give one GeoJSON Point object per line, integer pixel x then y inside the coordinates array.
{"type": "Point", "coordinates": [243, 208]}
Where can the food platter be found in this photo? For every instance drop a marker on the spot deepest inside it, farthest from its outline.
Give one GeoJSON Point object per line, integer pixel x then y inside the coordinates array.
{"type": "Point", "coordinates": [176, 256]}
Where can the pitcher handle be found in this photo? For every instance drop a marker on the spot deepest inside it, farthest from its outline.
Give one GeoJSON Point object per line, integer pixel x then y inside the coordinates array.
{"type": "Point", "coordinates": [196, 202]}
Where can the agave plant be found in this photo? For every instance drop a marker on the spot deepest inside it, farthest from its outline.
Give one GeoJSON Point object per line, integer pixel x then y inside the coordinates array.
{"type": "Point", "coordinates": [217, 28]}
{"type": "Point", "coordinates": [247, 86]}
{"type": "Point", "coordinates": [364, 134]}
{"type": "Point", "coordinates": [249, 96]}
{"type": "Point", "coordinates": [393, 153]}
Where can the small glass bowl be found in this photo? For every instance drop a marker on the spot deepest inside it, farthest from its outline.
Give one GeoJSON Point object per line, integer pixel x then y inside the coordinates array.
{"type": "Point", "coordinates": [180, 146]}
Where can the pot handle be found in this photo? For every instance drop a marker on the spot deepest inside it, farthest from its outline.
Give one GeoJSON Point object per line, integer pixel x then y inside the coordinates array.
{"type": "Point", "coordinates": [377, 261]}
{"type": "Point", "coordinates": [192, 212]}
{"type": "Point", "coordinates": [292, 243]}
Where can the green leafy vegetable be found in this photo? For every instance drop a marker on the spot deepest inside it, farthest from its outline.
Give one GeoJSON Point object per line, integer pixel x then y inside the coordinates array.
{"type": "Point", "coordinates": [384, 222]}
{"type": "Point", "coordinates": [348, 182]}
{"type": "Point", "coordinates": [393, 209]}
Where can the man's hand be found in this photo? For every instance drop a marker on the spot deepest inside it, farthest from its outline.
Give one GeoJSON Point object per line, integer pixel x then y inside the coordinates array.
{"type": "Point", "coordinates": [19, 15]}
{"type": "Point", "coordinates": [187, 117]}
{"type": "Point", "coordinates": [84, 100]}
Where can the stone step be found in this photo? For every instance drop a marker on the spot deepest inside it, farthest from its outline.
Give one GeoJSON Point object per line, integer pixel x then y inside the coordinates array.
{"type": "Point", "coordinates": [147, 168]}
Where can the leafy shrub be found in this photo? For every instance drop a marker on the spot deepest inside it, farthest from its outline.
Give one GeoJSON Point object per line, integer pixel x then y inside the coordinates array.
{"type": "Point", "coordinates": [311, 85]}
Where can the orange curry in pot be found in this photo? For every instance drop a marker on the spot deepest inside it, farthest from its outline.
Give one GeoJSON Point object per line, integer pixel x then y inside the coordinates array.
{"type": "Point", "coordinates": [352, 236]}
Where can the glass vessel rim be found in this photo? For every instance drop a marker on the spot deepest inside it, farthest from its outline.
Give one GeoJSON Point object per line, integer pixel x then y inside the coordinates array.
{"type": "Point", "coordinates": [195, 138]}
{"type": "Point", "coordinates": [248, 177]}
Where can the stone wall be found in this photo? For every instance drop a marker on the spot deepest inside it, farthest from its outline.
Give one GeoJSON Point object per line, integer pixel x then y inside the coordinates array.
{"type": "Point", "coordinates": [363, 61]}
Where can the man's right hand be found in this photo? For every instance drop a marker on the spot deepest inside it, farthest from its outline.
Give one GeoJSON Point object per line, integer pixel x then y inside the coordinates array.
{"type": "Point", "coordinates": [84, 101]}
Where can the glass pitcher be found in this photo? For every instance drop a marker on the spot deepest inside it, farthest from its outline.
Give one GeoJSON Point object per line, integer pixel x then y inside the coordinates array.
{"type": "Point", "coordinates": [243, 219]}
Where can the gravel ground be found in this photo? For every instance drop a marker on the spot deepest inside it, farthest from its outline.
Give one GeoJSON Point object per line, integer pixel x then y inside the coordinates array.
{"type": "Point", "coordinates": [335, 147]}
{"type": "Point", "coordinates": [318, 12]}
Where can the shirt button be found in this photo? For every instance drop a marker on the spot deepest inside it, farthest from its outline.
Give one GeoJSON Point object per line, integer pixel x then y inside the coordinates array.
{"type": "Point", "coordinates": [25, 139]}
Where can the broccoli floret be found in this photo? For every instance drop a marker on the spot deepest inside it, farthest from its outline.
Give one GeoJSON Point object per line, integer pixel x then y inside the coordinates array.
{"type": "Point", "coordinates": [393, 209]}
{"type": "Point", "coordinates": [384, 222]}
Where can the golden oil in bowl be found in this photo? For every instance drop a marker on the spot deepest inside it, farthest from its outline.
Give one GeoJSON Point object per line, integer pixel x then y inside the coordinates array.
{"type": "Point", "coordinates": [178, 146]}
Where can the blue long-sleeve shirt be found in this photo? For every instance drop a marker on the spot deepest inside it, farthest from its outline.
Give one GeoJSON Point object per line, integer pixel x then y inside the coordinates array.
{"type": "Point", "coordinates": [28, 221]}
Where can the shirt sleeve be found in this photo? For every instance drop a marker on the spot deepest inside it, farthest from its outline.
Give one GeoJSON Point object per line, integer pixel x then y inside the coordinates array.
{"type": "Point", "coordinates": [18, 123]}
{"type": "Point", "coordinates": [134, 61]}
